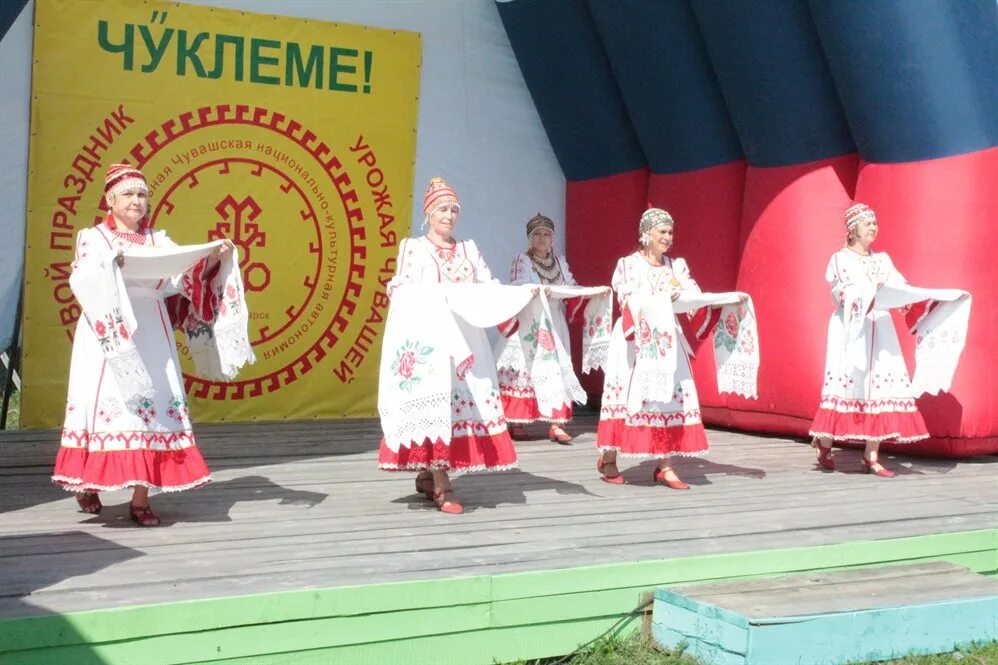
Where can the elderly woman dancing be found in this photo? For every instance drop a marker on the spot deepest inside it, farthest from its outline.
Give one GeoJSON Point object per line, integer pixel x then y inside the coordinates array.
{"type": "Point", "coordinates": [539, 265]}
{"type": "Point", "coordinates": [867, 396]}
{"type": "Point", "coordinates": [127, 422]}
{"type": "Point", "coordinates": [650, 407]}
{"type": "Point", "coordinates": [438, 395]}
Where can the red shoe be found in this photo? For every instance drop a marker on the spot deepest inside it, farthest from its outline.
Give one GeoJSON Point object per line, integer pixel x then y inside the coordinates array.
{"type": "Point", "coordinates": [558, 435]}
{"type": "Point", "coordinates": [446, 503]}
{"type": "Point", "coordinates": [143, 515]}
{"type": "Point", "coordinates": [659, 478]}
{"type": "Point", "coordinates": [424, 484]}
{"type": "Point", "coordinates": [825, 460]}
{"type": "Point", "coordinates": [876, 468]}
{"type": "Point", "coordinates": [613, 480]}
{"type": "Point", "coordinates": [89, 502]}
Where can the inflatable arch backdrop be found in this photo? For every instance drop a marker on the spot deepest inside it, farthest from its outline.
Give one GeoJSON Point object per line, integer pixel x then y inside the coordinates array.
{"type": "Point", "coordinates": [756, 124]}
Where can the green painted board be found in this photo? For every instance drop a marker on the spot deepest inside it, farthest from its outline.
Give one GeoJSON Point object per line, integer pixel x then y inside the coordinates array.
{"type": "Point", "coordinates": [505, 617]}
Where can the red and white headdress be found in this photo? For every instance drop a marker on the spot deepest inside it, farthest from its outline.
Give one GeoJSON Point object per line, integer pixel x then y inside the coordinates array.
{"type": "Point", "coordinates": [858, 212]}
{"type": "Point", "coordinates": [438, 191]}
{"type": "Point", "coordinates": [122, 177]}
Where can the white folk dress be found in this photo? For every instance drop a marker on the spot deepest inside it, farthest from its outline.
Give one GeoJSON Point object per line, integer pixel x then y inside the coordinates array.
{"type": "Point", "coordinates": [479, 437]}
{"type": "Point", "coordinates": [867, 394]}
{"type": "Point", "coordinates": [516, 386]}
{"type": "Point", "coordinates": [110, 439]}
{"type": "Point", "coordinates": [671, 428]}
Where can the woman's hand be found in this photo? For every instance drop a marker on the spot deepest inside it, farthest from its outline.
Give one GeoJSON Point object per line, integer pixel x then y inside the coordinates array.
{"type": "Point", "coordinates": [226, 246]}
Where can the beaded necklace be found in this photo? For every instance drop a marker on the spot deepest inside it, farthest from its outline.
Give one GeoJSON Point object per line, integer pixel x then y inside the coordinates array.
{"type": "Point", "coordinates": [549, 270]}
{"type": "Point", "coordinates": [137, 237]}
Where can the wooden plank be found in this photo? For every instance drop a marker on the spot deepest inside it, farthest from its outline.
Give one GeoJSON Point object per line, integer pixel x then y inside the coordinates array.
{"type": "Point", "coordinates": [883, 574]}
{"type": "Point", "coordinates": [315, 564]}
{"type": "Point", "coordinates": [830, 617]}
{"type": "Point", "coordinates": [838, 591]}
{"type": "Point", "coordinates": [310, 492]}
{"type": "Point", "coordinates": [560, 587]}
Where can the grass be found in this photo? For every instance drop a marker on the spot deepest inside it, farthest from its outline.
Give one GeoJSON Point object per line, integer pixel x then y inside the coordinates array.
{"type": "Point", "coordinates": [13, 408]}
{"type": "Point", "coordinates": [980, 654]}
{"type": "Point", "coordinates": [635, 650]}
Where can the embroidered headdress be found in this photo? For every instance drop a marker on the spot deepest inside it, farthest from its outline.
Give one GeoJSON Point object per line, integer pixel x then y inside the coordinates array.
{"type": "Point", "coordinates": [652, 218]}
{"type": "Point", "coordinates": [858, 212]}
{"type": "Point", "coordinates": [438, 191]}
{"type": "Point", "coordinates": [121, 178]}
{"type": "Point", "coordinates": [539, 221]}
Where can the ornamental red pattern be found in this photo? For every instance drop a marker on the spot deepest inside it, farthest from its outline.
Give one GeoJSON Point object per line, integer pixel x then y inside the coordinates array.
{"type": "Point", "coordinates": [126, 440]}
{"type": "Point", "coordinates": [482, 426]}
{"type": "Point", "coordinates": [884, 405]}
{"type": "Point", "coordinates": [647, 419]}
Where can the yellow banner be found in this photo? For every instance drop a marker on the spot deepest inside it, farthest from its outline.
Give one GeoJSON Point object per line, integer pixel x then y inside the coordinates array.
{"type": "Point", "coordinates": [295, 138]}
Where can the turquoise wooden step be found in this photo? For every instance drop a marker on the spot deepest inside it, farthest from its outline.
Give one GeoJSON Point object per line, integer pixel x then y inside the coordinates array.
{"type": "Point", "coordinates": [829, 618]}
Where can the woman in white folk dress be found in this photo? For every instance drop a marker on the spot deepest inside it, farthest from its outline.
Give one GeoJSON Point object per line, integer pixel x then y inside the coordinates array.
{"type": "Point", "coordinates": [479, 438]}
{"type": "Point", "coordinates": [671, 428]}
{"type": "Point", "coordinates": [538, 265]}
{"type": "Point", "coordinates": [112, 437]}
{"type": "Point", "coordinates": [872, 401]}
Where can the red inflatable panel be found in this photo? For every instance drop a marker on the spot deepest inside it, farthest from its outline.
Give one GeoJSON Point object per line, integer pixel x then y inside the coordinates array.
{"type": "Point", "coordinates": [603, 214]}
{"type": "Point", "coordinates": [938, 223]}
{"type": "Point", "coordinates": [707, 207]}
{"type": "Point", "coordinates": [602, 217]}
{"type": "Point", "coordinates": [791, 225]}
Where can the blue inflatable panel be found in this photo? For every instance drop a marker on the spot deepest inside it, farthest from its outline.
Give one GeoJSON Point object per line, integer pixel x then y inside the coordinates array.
{"type": "Point", "coordinates": [919, 80]}
{"type": "Point", "coordinates": [569, 77]}
{"type": "Point", "coordinates": [9, 11]}
{"type": "Point", "coordinates": [672, 95]}
{"type": "Point", "coordinates": [775, 81]}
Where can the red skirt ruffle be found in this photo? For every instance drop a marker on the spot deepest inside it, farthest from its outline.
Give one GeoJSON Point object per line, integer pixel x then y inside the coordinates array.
{"type": "Point", "coordinates": [892, 426]}
{"type": "Point", "coordinates": [488, 452]}
{"type": "Point", "coordinates": [525, 410]}
{"type": "Point", "coordinates": [643, 441]}
{"type": "Point", "coordinates": [79, 470]}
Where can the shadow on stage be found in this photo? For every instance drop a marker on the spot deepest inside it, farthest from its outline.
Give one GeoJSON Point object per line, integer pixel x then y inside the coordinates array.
{"type": "Point", "coordinates": [35, 562]}
{"type": "Point", "coordinates": [696, 471]}
{"type": "Point", "coordinates": [496, 489]}
{"type": "Point", "coordinates": [212, 503]}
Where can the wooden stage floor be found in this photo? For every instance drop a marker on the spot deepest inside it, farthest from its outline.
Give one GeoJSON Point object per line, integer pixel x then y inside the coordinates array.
{"type": "Point", "coordinates": [300, 505]}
